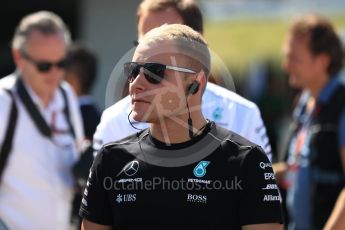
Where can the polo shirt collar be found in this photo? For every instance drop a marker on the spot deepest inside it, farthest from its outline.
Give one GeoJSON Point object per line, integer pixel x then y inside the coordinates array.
{"type": "Point", "coordinates": [329, 89]}
{"type": "Point", "coordinates": [55, 104]}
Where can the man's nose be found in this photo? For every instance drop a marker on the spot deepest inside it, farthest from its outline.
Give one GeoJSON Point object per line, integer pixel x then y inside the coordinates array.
{"type": "Point", "coordinates": [286, 64]}
{"type": "Point", "coordinates": [139, 82]}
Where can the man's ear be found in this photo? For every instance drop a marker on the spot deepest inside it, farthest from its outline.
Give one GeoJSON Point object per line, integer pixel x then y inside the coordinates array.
{"type": "Point", "coordinates": [17, 58]}
{"type": "Point", "coordinates": [201, 78]}
{"type": "Point", "coordinates": [324, 60]}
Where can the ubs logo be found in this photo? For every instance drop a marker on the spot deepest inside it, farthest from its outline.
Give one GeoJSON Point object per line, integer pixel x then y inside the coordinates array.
{"type": "Point", "coordinates": [126, 198]}
{"type": "Point", "coordinates": [131, 168]}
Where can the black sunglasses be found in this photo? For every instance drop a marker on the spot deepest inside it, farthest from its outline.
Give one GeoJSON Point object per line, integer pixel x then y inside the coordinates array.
{"type": "Point", "coordinates": [45, 66]}
{"type": "Point", "coordinates": [153, 72]}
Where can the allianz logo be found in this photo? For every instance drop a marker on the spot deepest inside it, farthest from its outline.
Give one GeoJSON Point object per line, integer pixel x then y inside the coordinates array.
{"type": "Point", "coordinates": [196, 198]}
{"type": "Point", "coordinates": [271, 198]}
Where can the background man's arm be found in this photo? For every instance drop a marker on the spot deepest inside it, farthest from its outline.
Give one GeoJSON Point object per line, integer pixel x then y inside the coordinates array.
{"type": "Point", "coordinates": [337, 219]}
{"type": "Point", "coordinates": [88, 225]}
{"type": "Point", "coordinates": [263, 227]}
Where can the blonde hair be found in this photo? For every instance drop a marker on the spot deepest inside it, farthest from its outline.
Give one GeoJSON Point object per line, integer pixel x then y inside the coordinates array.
{"type": "Point", "coordinates": [189, 43]}
{"type": "Point", "coordinates": [45, 22]}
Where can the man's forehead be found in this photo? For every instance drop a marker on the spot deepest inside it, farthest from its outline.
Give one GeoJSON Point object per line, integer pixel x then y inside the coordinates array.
{"type": "Point", "coordinates": [151, 19]}
{"type": "Point", "coordinates": [153, 50]}
{"type": "Point", "coordinates": [39, 35]}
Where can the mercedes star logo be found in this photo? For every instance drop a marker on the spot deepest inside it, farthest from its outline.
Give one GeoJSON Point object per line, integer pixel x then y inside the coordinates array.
{"type": "Point", "coordinates": [131, 168]}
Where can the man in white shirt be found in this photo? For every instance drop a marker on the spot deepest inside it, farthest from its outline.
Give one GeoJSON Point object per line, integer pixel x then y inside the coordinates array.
{"type": "Point", "coordinates": [226, 108]}
{"type": "Point", "coordinates": [36, 184]}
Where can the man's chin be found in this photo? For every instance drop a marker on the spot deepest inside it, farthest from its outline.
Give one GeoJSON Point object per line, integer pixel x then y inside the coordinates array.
{"type": "Point", "coordinates": [139, 117]}
{"type": "Point", "coordinates": [294, 83]}
{"type": "Point", "coordinates": [52, 85]}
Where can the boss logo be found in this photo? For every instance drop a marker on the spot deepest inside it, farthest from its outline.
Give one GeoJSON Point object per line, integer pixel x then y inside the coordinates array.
{"type": "Point", "coordinates": [197, 198]}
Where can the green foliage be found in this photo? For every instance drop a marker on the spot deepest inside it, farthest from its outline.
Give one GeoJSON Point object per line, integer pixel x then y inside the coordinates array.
{"type": "Point", "coordinates": [239, 42]}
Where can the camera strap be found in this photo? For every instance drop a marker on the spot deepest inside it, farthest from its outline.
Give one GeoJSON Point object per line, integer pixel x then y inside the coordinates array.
{"type": "Point", "coordinates": [34, 113]}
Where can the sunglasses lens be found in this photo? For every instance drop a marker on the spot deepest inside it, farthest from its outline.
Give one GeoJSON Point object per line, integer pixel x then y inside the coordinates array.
{"type": "Point", "coordinates": [43, 66]}
{"type": "Point", "coordinates": [154, 72]}
{"type": "Point", "coordinates": [131, 71]}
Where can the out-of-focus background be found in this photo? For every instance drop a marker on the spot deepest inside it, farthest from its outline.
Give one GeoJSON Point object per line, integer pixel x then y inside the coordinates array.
{"type": "Point", "coordinates": [246, 35]}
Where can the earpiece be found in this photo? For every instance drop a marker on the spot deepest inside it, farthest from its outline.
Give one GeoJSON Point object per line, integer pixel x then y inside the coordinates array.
{"type": "Point", "coordinates": [193, 88]}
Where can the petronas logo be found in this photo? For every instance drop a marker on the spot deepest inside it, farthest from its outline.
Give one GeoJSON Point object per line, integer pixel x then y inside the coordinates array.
{"type": "Point", "coordinates": [200, 169]}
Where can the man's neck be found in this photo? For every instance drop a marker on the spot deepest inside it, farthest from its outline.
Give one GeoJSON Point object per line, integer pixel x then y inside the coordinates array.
{"type": "Point", "coordinates": [175, 130]}
{"type": "Point", "coordinates": [318, 85]}
{"type": "Point", "coordinates": [42, 96]}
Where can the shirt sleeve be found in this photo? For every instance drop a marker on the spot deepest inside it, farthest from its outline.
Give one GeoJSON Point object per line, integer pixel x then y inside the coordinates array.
{"type": "Point", "coordinates": [260, 199]}
{"type": "Point", "coordinates": [5, 103]}
{"type": "Point", "coordinates": [259, 133]}
{"type": "Point", "coordinates": [102, 133]}
{"type": "Point", "coordinates": [342, 130]}
{"type": "Point", "coordinates": [95, 205]}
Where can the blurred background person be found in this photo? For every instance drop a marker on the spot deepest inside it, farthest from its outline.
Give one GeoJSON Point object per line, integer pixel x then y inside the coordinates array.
{"type": "Point", "coordinates": [37, 184]}
{"type": "Point", "coordinates": [313, 173]}
{"type": "Point", "coordinates": [81, 73]}
{"type": "Point", "coordinates": [226, 108]}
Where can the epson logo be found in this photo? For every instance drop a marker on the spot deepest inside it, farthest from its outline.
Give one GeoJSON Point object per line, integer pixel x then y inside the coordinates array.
{"type": "Point", "coordinates": [197, 198]}
{"type": "Point", "coordinates": [269, 176]}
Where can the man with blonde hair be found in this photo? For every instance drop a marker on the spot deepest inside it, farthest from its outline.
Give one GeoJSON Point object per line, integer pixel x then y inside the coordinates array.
{"type": "Point", "coordinates": [225, 107]}
{"type": "Point", "coordinates": [184, 171]}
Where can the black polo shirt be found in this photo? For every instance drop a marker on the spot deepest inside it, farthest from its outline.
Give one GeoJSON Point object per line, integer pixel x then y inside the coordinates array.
{"type": "Point", "coordinates": [218, 180]}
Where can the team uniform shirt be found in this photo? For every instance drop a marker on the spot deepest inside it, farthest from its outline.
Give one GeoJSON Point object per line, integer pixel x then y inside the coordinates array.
{"type": "Point", "coordinates": [217, 180]}
{"type": "Point", "coordinates": [37, 185]}
{"type": "Point", "coordinates": [225, 107]}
